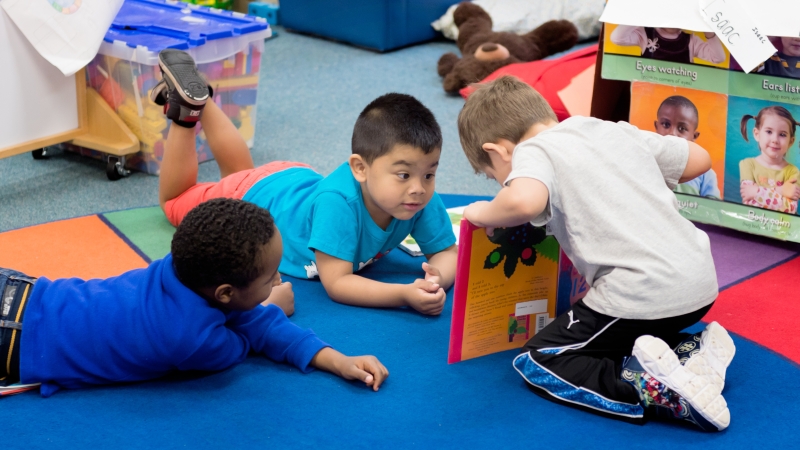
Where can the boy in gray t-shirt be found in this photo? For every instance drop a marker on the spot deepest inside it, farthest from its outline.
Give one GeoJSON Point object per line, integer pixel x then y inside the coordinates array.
{"type": "Point", "coordinates": [605, 189]}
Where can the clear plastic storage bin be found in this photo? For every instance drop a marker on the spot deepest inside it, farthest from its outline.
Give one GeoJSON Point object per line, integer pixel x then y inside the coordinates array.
{"type": "Point", "coordinates": [227, 47]}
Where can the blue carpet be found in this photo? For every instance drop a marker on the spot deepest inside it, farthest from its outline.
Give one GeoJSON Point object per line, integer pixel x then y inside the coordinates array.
{"type": "Point", "coordinates": [425, 403]}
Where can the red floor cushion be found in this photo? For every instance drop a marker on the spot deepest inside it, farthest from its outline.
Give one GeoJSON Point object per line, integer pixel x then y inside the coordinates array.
{"type": "Point", "coordinates": [547, 76]}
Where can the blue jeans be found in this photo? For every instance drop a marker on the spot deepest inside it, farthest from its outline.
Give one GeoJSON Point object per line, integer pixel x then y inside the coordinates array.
{"type": "Point", "coordinates": [15, 289]}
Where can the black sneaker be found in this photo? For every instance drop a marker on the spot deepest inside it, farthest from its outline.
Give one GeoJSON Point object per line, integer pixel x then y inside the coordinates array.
{"type": "Point", "coordinates": [182, 91]}
{"type": "Point", "coordinates": [160, 93]}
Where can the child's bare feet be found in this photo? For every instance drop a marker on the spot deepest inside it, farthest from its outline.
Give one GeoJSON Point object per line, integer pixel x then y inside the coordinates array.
{"type": "Point", "coordinates": [282, 296]}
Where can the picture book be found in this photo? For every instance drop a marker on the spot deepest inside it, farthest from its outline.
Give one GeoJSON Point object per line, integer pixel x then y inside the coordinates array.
{"type": "Point", "coordinates": [506, 289]}
{"type": "Point", "coordinates": [409, 245]}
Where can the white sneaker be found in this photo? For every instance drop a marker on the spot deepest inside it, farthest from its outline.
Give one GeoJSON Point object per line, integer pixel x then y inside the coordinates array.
{"type": "Point", "coordinates": [713, 354]}
{"type": "Point", "coordinates": [705, 406]}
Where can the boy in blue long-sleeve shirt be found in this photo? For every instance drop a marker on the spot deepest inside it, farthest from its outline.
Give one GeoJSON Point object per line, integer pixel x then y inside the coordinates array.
{"type": "Point", "coordinates": [203, 307]}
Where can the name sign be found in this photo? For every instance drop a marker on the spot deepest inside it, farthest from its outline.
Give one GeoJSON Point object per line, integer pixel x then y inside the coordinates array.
{"type": "Point", "coordinates": [737, 31]}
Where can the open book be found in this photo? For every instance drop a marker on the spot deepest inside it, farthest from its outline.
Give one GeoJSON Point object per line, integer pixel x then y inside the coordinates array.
{"type": "Point", "coordinates": [508, 288]}
{"type": "Point", "coordinates": [409, 245]}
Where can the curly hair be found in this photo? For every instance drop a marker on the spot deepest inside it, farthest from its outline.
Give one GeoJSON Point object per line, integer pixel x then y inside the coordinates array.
{"type": "Point", "coordinates": [220, 242]}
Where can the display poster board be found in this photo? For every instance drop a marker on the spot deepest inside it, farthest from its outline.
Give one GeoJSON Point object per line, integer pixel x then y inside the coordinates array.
{"type": "Point", "coordinates": [683, 73]}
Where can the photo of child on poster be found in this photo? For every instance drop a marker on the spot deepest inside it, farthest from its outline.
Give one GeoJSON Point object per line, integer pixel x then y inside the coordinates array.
{"type": "Point", "coordinates": [670, 44]}
{"type": "Point", "coordinates": [696, 116]}
{"type": "Point", "coordinates": [784, 63]}
{"type": "Point", "coordinates": [761, 168]}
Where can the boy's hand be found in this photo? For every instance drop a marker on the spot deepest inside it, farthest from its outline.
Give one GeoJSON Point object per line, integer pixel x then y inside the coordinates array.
{"type": "Point", "coordinates": [365, 368]}
{"type": "Point", "coordinates": [432, 274]}
{"type": "Point", "coordinates": [282, 296]}
{"type": "Point", "coordinates": [426, 297]}
{"type": "Point", "coordinates": [748, 192]}
{"type": "Point", "coordinates": [790, 190]}
{"type": "Point", "coordinates": [474, 212]}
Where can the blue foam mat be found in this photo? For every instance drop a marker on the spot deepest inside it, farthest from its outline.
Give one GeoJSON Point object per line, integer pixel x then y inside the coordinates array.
{"type": "Point", "coordinates": [425, 403]}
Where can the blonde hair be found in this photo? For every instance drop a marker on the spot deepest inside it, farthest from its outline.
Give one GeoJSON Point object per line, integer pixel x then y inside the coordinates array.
{"type": "Point", "coordinates": [505, 108]}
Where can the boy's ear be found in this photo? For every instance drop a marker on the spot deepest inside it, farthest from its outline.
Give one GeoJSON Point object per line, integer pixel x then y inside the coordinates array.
{"type": "Point", "coordinates": [696, 135]}
{"type": "Point", "coordinates": [499, 150]}
{"type": "Point", "coordinates": [224, 293]}
{"type": "Point", "coordinates": [655, 125]}
{"type": "Point", "coordinates": [359, 167]}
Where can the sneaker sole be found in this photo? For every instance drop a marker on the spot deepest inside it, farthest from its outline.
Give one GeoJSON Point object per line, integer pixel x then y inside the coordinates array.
{"type": "Point", "coordinates": [159, 89]}
{"type": "Point", "coordinates": [704, 396]}
{"type": "Point", "coordinates": [715, 355]}
{"type": "Point", "coordinates": [186, 76]}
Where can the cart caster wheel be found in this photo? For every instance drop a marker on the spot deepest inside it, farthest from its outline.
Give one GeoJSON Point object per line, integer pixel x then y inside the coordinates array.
{"type": "Point", "coordinates": [115, 168]}
{"type": "Point", "coordinates": [39, 153]}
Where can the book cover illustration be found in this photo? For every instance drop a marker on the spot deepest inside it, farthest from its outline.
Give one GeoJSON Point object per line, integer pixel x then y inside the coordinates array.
{"type": "Point", "coordinates": [505, 290]}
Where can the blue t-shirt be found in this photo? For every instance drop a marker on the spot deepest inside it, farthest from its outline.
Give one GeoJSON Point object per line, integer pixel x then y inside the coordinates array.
{"type": "Point", "coordinates": [703, 186]}
{"type": "Point", "coordinates": [142, 325]}
{"type": "Point", "coordinates": [328, 214]}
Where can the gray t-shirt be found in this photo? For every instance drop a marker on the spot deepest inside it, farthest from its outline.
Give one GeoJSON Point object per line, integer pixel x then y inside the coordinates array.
{"type": "Point", "coordinates": [613, 211]}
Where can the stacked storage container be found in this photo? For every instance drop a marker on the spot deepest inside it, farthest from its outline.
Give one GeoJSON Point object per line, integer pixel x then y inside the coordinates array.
{"type": "Point", "coordinates": [227, 47]}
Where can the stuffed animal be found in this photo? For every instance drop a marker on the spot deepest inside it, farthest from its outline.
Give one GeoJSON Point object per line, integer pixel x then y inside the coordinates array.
{"type": "Point", "coordinates": [485, 51]}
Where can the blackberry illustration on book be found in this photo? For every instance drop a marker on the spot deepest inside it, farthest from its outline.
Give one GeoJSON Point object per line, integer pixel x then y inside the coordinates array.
{"type": "Point", "coordinates": [518, 244]}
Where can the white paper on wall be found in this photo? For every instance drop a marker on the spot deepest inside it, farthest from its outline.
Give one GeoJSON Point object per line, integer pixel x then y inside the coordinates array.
{"type": "Point", "coordinates": [737, 32]}
{"type": "Point", "coordinates": [772, 17]}
{"type": "Point", "coordinates": [67, 33]}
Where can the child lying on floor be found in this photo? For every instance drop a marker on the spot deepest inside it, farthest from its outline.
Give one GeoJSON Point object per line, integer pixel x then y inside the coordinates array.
{"type": "Point", "coordinates": [333, 226]}
{"type": "Point", "coordinates": [203, 307]}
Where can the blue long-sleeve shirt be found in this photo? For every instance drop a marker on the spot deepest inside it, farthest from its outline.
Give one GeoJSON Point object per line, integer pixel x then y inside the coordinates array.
{"type": "Point", "coordinates": [142, 325]}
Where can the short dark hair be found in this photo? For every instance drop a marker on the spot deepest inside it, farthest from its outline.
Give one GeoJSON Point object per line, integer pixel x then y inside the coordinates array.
{"type": "Point", "coordinates": [395, 119]}
{"type": "Point", "coordinates": [220, 242]}
{"type": "Point", "coordinates": [682, 102]}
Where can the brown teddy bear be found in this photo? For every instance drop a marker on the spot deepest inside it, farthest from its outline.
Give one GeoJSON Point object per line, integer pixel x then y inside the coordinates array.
{"type": "Point", "coordinates": [485, 51]}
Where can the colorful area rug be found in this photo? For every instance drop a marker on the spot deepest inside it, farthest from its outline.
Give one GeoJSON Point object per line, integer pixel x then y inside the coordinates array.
{"type": "Point", "coordinates": [480, 403]}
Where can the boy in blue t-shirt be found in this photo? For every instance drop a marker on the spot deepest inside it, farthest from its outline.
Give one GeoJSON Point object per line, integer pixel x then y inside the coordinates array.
{"type": "Point", "coordinates": [332, 226]}
{"type": "Point", "coordinates": [203, 307]}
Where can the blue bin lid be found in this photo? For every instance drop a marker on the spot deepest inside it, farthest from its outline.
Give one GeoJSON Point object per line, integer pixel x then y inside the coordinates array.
{"type": "Point", "coordinates": [191, 24]}
{"type": "Point", "coordinates": [153, 42]}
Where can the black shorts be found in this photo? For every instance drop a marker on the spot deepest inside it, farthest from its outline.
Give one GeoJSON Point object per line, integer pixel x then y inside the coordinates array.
{"type": "Point", "coordinates": [15, 289]}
